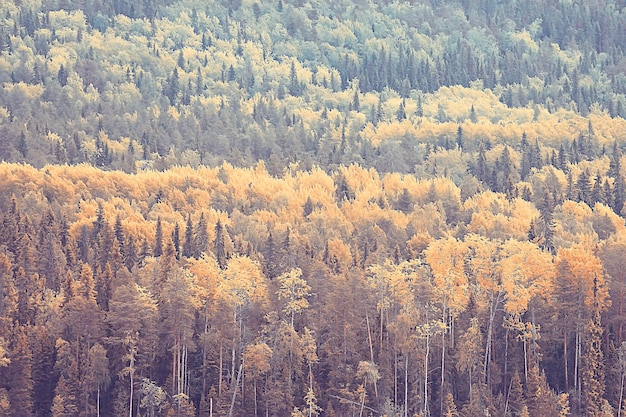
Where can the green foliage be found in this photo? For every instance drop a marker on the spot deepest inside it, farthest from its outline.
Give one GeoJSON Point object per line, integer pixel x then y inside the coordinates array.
{"type": "Point", "coordinates": [187, 70]}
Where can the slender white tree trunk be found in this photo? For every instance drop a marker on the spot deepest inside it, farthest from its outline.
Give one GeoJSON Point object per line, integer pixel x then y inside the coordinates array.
{"type": "Point", "coordinates": [406, 385]}
{"type": "Point", "coordinates": [621, 396]}
{"type": "Point", "coordinates": [425, 410]}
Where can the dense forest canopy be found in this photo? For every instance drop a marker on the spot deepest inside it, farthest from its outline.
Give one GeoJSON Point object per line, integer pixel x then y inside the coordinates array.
{"type": "Point", "coordinates": [113, 82]}
{"type": "Point", "coordinates": [312, 208]}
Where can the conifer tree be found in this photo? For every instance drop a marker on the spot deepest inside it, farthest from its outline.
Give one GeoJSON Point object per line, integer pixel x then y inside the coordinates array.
{"type": "Point", "coordinates": [619, 194]}
{"type": "Point", "coordinates": [43, 374]}
{"type": "Point", "coordinates": [307, 209]}
{"type": "Point", "coordinates": [201, 237]}
{"type": "Point", "coordinates": [516, 396]}
{"type": "Point", "coordinates": [481, 170]}
{"type": "Point", "coordinates": [119, 232]}
{"type": "Point", "coordinates": [189, 243]}
{"type": "Point", "coordinates": [405, 202]}
{"type": "Point", "coordinates": [219, 249]}
{"type": "Point", "coordinates": [271, 257]}
{"type": "Point", "coordinates": [158, 239]}
{"type": "Point", "coordinates": [593, 386]}
{"type": "Point", "coordinates": [583, 185]}
{"type": "Point", "coordinates": [176, 240]}
{"type": "Point", "coordinates": [449, 407]}
{"type": "Point", "coordinates": [130, 253]}
{"type": "Point", "coordinates": [540, 399]}
{"type": "Point", "coordinates": [20, 375]}
{"type": "Point", "coordinates": [401, 112]}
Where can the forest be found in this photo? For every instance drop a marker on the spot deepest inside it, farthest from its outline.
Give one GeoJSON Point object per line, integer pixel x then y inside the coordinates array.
{"type": "Point", "coordinates": [312, 208]}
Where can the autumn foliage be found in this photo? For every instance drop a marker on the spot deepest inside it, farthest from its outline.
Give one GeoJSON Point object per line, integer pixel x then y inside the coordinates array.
{"type": "Point", "coordinates": [323, 302]}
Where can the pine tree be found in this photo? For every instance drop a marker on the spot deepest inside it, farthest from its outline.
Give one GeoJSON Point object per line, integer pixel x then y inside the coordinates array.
{"type": "Point", "coordinates": [84, 245]}
{"type": "Point", "coordinates": [62, 76]}
{"type": "Point", "coordinates": [539, 397]}
{"type": "Point", "coordinates": [356, 106]}
{"type": "Point", "coordinates": [449, 407]}
{"type": "Point", "coordinates": [505, 165]}
{"type": "Point", "coordinates": [176, 240]}
{"type": "Point", "coordinates": [593, 368]}
{"type": "Point", "coordinates": [172, 88]}
{"type": "Point", "coordinates": [615, 167]}
{"type": "Point", "coordinates": [405, 202]}
{"type": "Point", "coordinates": [130, 253]}
{"type": "Point", "coordinates": [270, 255]}
{"type": "Point", "coordinates": [619, 194]}
{"type": "Point", "coordinates": [103, 286]}
{"type": "Point", "coordinates": [583, 185]}
{"type": "Point", "coordinates": [597, 191]}
{"type": "Point", "coordinates": [189, 243]}
{"type": "Point", "coordinates": [219, 248]}
{"type": "Point", "coordinates": [526, 158]}
{"type": "Point", "coordinates": [201, 237]}
{"type": "Point", "coordinates": [401, 113]}
{"type": "Point", "coordinates": [158, 239]}
{"type": "Point", "coordinates": [119, 232]}
{"type": "Point", "coordinates": [562, 159]}
{"type": "Point", "coordinates": [20, 375]}
{"type": "Point", "coordinates": [307, 209]}
{"type": "Point", "coordinates": [294, 85]}
{"type": "Point", "coordinates": [43, 375]}
{"type": "Point", "coordinates": [67, 392]}
{"type": "Point", "coordinates": [516, 396]}
{"type": "Point", "coordinates": [473, 118]}
{"type": "Point", "coordinates": [481, 170]}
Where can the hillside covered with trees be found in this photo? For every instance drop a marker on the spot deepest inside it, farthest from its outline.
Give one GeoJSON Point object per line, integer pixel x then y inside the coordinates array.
{"type": "Point", "coordinates": [312, 208]}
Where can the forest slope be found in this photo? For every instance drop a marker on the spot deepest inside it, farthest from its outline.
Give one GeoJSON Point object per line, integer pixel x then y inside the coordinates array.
{"type": "Point", "coordinates": [188, 82]}
{"type": "Point", "coordinates": [312, 208]}
{"type": "Point", "coordinates": [306, 290]}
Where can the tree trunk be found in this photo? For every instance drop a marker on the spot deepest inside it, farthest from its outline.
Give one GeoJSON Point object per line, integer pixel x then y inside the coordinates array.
{"type": "Point", "coordinates": [487, 358]}
{"type": "Point", "coordinates": [506, 354]}
{"type": "Point", "coordinates": [382, 314]}
{"type": "Point", "coordinates": [363, 398]}
{"type": "Point", "coordinates": [369, 339]}
{"type": "Point", "coordinates": [311, 388]}
{"type": "Point", "coordinates": [526, 361]}
{"type": "Point", "coordinates": [406, 385]}
{"type": "Point", "coordinates": [425, 410]}
{"type": "Point", "coordinates": [219, 382]}
{"type": "Point", "coordinates": [204, 350]}
{"type": "Point", "coordinates": [395, 375]}
{"type": "Point", "coordinates": [232, 401]}
{"type": "Point", "coordinates": [130, 400]}
{"type": "Point", "coordinates": [256, 408]}
{"type": "Point", "coordinates": [565, 357]}
{"type": "Point", "coordinates": [621, 396]}
{"type": "Point", "coordinates": [443, 361]}
{"type": "Point", "coordinates": [620, 311]}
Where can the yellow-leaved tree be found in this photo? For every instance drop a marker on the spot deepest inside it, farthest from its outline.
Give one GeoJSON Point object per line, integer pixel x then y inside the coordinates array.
{"type": "Point", "coordinates": [446, 258]}
{"type": "Point", "coordinates": [257, 363]}
{"type": "Point", "coordinates": [242, 287]}
{"type": "Point", "coordinates": [580, 294]}
{"type": "Point", "coordinates": [205, 275]}
{"type": "Point", "coordinates": [527, 272]}
{"type": "Point", "coordinates": [294, 290]}
{"type": "Point", "coordinates": [483, 266]}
